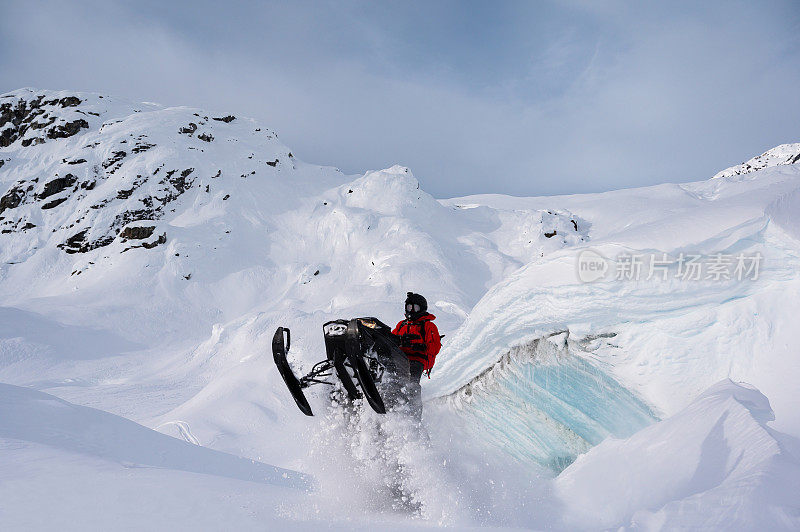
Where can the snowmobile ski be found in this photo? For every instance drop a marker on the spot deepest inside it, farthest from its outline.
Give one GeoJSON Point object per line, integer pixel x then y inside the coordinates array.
{"type": "Point", "coordinates": [279, 350]}
{"type": "Point", "coordinates": [334, 348]}
{"type": "Point", "coordinates": [352, 344]}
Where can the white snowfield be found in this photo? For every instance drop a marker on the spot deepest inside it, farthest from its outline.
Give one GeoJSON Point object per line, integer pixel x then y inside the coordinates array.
{"type": "Point", "coordinates": [147, 255]}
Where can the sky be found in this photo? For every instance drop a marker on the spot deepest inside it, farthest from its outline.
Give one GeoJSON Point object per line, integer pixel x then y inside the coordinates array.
{"type": "Point", "coordinates": [514, 97]}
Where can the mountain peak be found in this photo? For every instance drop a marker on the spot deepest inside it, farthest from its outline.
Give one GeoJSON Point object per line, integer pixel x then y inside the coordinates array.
{"type": "Point", "coordinates": [777, 156]}
{"type": "Point", "coordinates": [82, 171]}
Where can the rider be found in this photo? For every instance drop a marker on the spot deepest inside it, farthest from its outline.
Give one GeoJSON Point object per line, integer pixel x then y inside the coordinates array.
{"type": "Point", "coordinates": [419, 337]}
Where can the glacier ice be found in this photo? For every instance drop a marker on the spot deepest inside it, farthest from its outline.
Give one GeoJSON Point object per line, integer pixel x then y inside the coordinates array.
{"type": "Point", "coordinates": [546, 403]}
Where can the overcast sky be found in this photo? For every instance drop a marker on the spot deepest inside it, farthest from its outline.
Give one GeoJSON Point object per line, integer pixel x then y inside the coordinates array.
{"type": "Point", "coordinates": [523, 98]}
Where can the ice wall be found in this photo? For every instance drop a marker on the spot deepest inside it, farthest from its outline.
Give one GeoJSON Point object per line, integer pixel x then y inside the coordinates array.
{"type": "Point", "coordinates": [546, 402]}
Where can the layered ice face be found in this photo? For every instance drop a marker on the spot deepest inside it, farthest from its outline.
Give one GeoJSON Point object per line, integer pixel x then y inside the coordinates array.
{"type": "Point", "coordinates": [545, 403]}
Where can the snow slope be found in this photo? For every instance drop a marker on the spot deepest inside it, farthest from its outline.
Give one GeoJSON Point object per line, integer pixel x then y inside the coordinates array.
{"type": "Point", "coordinates": [147, 255]}
{"type": "Point", "coordinates": [718, 453]}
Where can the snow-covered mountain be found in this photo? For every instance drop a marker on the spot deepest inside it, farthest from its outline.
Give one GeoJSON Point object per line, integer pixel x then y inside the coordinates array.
{"type": "Point", "coordinates": [779, 155]}
{"type": "Point", "coordinates": [147, 255]}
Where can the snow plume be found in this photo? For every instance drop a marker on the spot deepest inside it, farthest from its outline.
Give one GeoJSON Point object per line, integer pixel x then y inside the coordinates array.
{"type": "Point", "coordinates": [437, 472]}
{"type": "Point", "coordinates": [367, 463]}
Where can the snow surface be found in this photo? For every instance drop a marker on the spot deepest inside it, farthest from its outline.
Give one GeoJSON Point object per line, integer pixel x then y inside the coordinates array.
{"type": "Point", "coordinates": [115, 352]}
{"type": "Point", "coordinates": [718, 466]}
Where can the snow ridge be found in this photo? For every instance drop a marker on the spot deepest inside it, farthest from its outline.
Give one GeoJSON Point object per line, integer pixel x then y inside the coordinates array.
{"type": "Point", "coordinates": [777, 156]}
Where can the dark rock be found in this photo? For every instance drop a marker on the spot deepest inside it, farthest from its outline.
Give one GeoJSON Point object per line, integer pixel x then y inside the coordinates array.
{"type": "Point", "coordinates": [75, 242]}
{"type": "Point", "coordinates": [125, 194]}
{"type": "Point", "coordinates": [575, 224]}
{"type": "Point", "coordinates": [180, 183]}
{"type": "Point", "coordinates": [205, 137]}
{"type": "Point", "coordinates": [226, 197]}
{"type": "Point", "coordinates": [551, 235]}
{"type": "Point", "coordinates": [226, 119]}
{"type": "Point", "coordinates": [69, 101]}
{"type": "Point", "coordinates": [101, 204]}
{"type": "Point", "coordinates": [33, 140]}
{"type": "Point", "coordinates": [273, 163]}
{"type": "Point", "coordinates": [42, 125]}
{"type": "Point", "coordinates": [162, 239]}
{"type": "Point", "coordinates": [57, 185]}
{"type": "Point", "coordinates": [188, 130]}
{"type": "Point", "coordinates": [12, 115]}
{"type": "Point", "coordinates": [139, 148]}
{"type": "Point", "coordinates": [137, 233]}
{"type": "Point", "coordinates": [7, 137]}
{"type": "Point", "coordinates": [115, 158]}
{"type": "Point", "coordinates": [77, 161]}
{"type": "Point", "coordinates": [54, 203]}
{"type": "Point", "coordinates": [28, 226]}
{"type": "Point", "coordinates": [63, 131]}
{"type": "Point", "coordinates": [127, 217]}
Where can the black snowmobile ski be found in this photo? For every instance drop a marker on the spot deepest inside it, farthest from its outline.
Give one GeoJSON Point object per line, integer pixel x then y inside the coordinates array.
{"type": "Point", "coordinates": [279, 350]}
{"type": "Point", "coordinates": [353, 347]}
{"type": "Point", "coordinates": [362, 349]}
{"type": "Point", "coordinates": [336, 352]}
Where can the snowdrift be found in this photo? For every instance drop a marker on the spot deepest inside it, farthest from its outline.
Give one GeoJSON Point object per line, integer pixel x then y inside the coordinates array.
{"type": "Point", "coordinates": [715, 465]}
{"type": "Point", "coordinates": [31, 416]}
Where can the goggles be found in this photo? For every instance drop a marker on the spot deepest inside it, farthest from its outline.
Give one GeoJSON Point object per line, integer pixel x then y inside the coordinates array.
{"type": "Point", "coordinates": [412, 307]}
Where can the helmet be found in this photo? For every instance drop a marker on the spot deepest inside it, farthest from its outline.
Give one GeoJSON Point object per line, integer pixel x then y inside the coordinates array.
{"type": "Point", "coordinates": [416, 306]}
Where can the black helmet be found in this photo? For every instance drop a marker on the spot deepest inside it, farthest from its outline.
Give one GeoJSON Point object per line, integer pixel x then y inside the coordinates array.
{"type": "Point", "coordinates": [416, 306]}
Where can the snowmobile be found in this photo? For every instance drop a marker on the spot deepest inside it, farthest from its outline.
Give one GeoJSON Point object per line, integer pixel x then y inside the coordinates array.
{"type": "Point", "coordinates": [364, 356]}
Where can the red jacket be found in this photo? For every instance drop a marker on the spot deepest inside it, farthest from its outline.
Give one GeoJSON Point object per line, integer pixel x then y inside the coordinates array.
{"type": "Point", "coordinates": [425, 348]}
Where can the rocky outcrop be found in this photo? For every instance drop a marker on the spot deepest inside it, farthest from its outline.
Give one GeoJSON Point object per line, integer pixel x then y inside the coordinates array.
{"type": "Point", "coordinates": [57, 185]}
{"type": "Point", "coordinates": [113, 172]}
{"type": "Point", "coordinates": [19, 116]}
{"type": "Point", "coordinates": [137, 233]}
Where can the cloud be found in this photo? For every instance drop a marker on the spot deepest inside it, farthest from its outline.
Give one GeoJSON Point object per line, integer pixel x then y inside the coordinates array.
{"type": "Point", "coordinates": [552, 98]}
